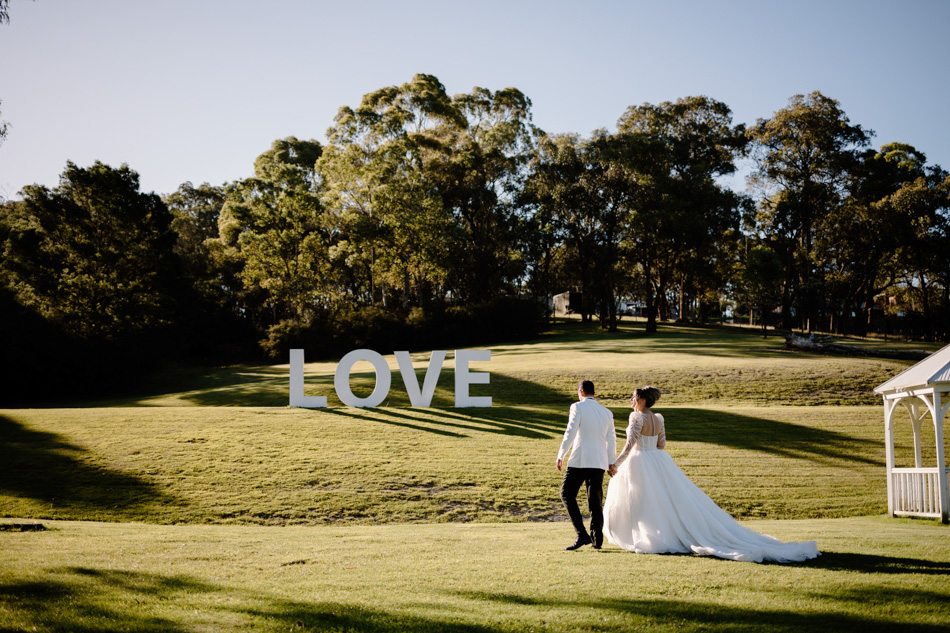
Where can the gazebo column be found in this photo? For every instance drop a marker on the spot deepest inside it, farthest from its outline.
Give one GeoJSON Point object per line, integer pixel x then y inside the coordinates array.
{"type": "Point", "coordinates": [889, 406]}
{"type": "Point", "coordinates": [939, 412]}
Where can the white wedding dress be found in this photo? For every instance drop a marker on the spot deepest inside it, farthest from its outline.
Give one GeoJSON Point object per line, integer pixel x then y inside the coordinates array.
{"type": "Point", "coordinates": [652, 507]}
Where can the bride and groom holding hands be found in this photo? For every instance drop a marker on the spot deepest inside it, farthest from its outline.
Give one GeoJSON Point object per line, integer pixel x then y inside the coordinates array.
{"type": "Point", "coordinates": [652, 507]}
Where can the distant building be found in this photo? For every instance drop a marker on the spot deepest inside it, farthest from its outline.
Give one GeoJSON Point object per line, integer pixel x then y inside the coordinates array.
{"type": "Point", "coordinates": [567, 303]}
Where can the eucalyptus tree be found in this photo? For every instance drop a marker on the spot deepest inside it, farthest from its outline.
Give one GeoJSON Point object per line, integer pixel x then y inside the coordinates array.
{"type": "Point", "coordinates": [378, 184]}
{"type": "Point", "coordinates": [564, 216]}
{"type": "Point", "coordinates": [562, 189]}
{"type": "Point", "coordinates": [273, 228]}
{"type": "Point", "coordinates": [761, 281]}
{"type": "Point", "coordinates": [805, 157]}
{"type": "Point", "coordinates": [861, 238]}
{"type": "Point", "coordinates": [578, 189]}
{"type": "Point", "coordinates": [479, 179]}
{"type": "Point", "coordinates": [682, 221]}
{"type": "Point", "coordinates": [195, 211]}
{"type": "Point", "coordinates": [93, 255]}
{"type": "Point", "coordinates": [923, 206]}
{"type": "Point", "coordinates": [212, 278]}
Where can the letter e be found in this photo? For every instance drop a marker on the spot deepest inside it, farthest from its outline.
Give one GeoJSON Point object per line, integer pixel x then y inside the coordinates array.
{"type": "Point", "coordinates": [464, 377]}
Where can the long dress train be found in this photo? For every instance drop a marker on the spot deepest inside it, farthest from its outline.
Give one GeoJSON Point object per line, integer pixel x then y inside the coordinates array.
{"type": "Point", "coordinates": [652, 507]}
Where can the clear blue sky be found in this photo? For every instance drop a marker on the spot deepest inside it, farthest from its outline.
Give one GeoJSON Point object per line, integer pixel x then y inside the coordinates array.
{"type": "Point", "coordinates": [194, 90]}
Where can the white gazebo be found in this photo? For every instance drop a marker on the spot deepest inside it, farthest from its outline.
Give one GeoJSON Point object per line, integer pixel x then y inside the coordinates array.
{"type": "Point", "coordinates": [923, 388]}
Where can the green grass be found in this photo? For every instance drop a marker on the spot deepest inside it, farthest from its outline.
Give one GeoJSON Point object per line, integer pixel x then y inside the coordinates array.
{"type": "Point", "coordinates": [689, 364]}
{"type": "Point", "coordinates": [292, 466]}
{"type": "Point", "coordinates": [875, 574]}
{"type": "Point", "coordinates": [204, 503]}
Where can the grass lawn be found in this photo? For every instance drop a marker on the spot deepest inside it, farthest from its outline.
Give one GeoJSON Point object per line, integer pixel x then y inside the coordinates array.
{"type": "Point", "coordinates": [292, 466]}
{"type": "Point", "coordinates": [875, 574]}
{"type": "Point", "coordinates": [204, 503]}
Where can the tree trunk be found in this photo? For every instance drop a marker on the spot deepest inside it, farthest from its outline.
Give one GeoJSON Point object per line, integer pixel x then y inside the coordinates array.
{"type": "Point", "coordinates": [651, 303]}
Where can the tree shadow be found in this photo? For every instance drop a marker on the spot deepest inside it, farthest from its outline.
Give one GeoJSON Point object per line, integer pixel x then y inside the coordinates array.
{"type": "Point", "coordinates": [677, 614]}
{"type": "Point", "coordinates": [632, 338]}
{"type": "Point", "coordinates": [88, 600]}
{"type": "Point", "coordinates": [83, 600]}
{"type": "Point", "coordinates": [875, 564]}
{"type": "Point", "coordinates": [45, 467]}
{"type": "Point", "coordinates": [732, 430]}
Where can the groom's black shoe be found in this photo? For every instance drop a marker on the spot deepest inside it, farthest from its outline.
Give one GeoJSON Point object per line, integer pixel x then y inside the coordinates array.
{"type": "Point", "coordinates": [579, 543]}
{"type": "Point", "coordinates": [598, 538]}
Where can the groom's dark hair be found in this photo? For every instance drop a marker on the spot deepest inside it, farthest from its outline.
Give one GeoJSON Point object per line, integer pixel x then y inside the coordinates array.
{"type": "Point", "coordinates": [587, 387]}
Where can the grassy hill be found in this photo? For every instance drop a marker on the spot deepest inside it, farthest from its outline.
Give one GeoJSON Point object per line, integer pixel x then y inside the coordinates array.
{"type": "Point", "coordinates": [765, 431]}
{"type": "Point", "coordinates": [204, 503]}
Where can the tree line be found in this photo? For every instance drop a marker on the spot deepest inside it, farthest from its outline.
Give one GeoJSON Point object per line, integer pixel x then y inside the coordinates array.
{"type": "Point", "coordinates": [428, 219]}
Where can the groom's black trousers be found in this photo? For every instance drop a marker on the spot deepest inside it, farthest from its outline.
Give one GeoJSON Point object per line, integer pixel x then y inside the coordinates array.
{"type": "Point", "coordinates": [593, 480]}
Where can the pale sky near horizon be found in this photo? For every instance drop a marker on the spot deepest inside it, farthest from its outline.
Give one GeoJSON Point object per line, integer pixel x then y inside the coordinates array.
{"type": "Point", "coordinates": [195, 90]}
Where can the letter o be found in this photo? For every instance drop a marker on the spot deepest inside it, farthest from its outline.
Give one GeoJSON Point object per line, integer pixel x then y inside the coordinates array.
{"type": "Point", "coordinates": [341, 379]}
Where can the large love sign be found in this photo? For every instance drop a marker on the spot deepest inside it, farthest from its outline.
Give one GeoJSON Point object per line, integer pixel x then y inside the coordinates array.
{"type": "Point", "coordinates": [418, 397]}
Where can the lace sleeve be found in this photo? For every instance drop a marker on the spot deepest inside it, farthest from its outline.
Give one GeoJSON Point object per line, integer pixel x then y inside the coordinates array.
{"type": "Point", "coordinates": [633, 436]}
{"type": "Point", "coordinates": [661, 436]}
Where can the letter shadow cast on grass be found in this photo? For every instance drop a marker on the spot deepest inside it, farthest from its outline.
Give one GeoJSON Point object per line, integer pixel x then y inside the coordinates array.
{"type": "Point", "coordinates": [46, 468]}
{"type": "Point", "coordinates": [454, 423]}
{"type": "Point", "coordinates": [441, 418]}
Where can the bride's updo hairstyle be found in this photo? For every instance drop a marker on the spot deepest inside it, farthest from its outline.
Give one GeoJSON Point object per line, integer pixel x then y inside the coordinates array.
{"type": "Point", "coordinates": [648, 394]}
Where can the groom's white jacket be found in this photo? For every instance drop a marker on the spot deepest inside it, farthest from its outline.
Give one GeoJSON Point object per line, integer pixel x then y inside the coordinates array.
{"type": "Point", "coordinates": [590, 435]}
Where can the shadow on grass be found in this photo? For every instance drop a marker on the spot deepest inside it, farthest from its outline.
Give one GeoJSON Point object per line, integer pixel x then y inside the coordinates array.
{"type": "Point", "coordinates": [664, 614]}
{"type": "Point", "coordinates": [91, 600]}
{"type": "Point", "coordinates": [535, 424]}
{"type": "Point", "coordinates": [45, 467]}
{"type": "Point", "coordinates": [632, 338]}
{"type": "Point", "coordinates": [874, 564]}
{"type": "Point", "coordinates": [724, 428]}
{"type": "Point", "coordinates": [270, 387]}
{"type": "Point", "coordinates": [80, 600]}
{"type": "Point", "coordinates": [86, 599]}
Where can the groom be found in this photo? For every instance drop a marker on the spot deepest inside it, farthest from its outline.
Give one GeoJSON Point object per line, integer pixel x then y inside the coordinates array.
{"type": "Point", "coordinates": [592, 440]}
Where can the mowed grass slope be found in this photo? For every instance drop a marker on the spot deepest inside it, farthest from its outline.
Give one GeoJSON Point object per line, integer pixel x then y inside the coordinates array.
{"type": "Point", "coordinates": [439, 519]}
{"type": "Point", "coordinates": [183, 457]}
{"type": "Point", "coordinates": [874, 575]}
{"type": "Point", "coordinates": [689, 364]}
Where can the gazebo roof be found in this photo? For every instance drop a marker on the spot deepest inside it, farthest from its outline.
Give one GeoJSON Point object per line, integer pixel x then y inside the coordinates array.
{"type": "Point", "coordinates": [930, 372]}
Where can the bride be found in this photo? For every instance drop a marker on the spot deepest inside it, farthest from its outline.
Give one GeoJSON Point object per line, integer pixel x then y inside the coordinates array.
{"type": "Point", "coordinates": [652, 507]}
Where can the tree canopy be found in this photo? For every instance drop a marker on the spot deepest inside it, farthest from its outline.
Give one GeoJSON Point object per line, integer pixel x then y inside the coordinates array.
{"type": "Point", "coordinates": [431, 217]}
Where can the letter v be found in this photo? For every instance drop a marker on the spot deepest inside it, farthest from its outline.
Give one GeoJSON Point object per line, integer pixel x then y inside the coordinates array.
{"type": "Point", "coordinates": [424, 398]}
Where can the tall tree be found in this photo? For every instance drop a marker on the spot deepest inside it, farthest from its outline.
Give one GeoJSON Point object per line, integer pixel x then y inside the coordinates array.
{"type": "Point", "coordinates": [274, 226]}
{"type": "Point", "coordinates": [860, 238]}
{"type": "Point", "coordinates": [576, 188]}
{"type": "Point", "coordinates": [216, 313]}
{"type": "Point", "coordinates": [805, 156]}
{"type": "Point", "coordinates": [683, 217]}
{"type": "Point", "coordinates": [479, 179]}
{"type": "Point", "coordinates": [94, 255]}
{"type": "Point", "coordinates": [379, 182]}
{"type": "Point", "coordinates": [761, 281]}
{"type": "Point", "coordinates": [923, 205]}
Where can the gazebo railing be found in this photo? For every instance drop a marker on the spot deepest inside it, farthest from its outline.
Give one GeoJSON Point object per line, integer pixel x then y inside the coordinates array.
{"type": "Point", "coordinates": [916, 491]}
